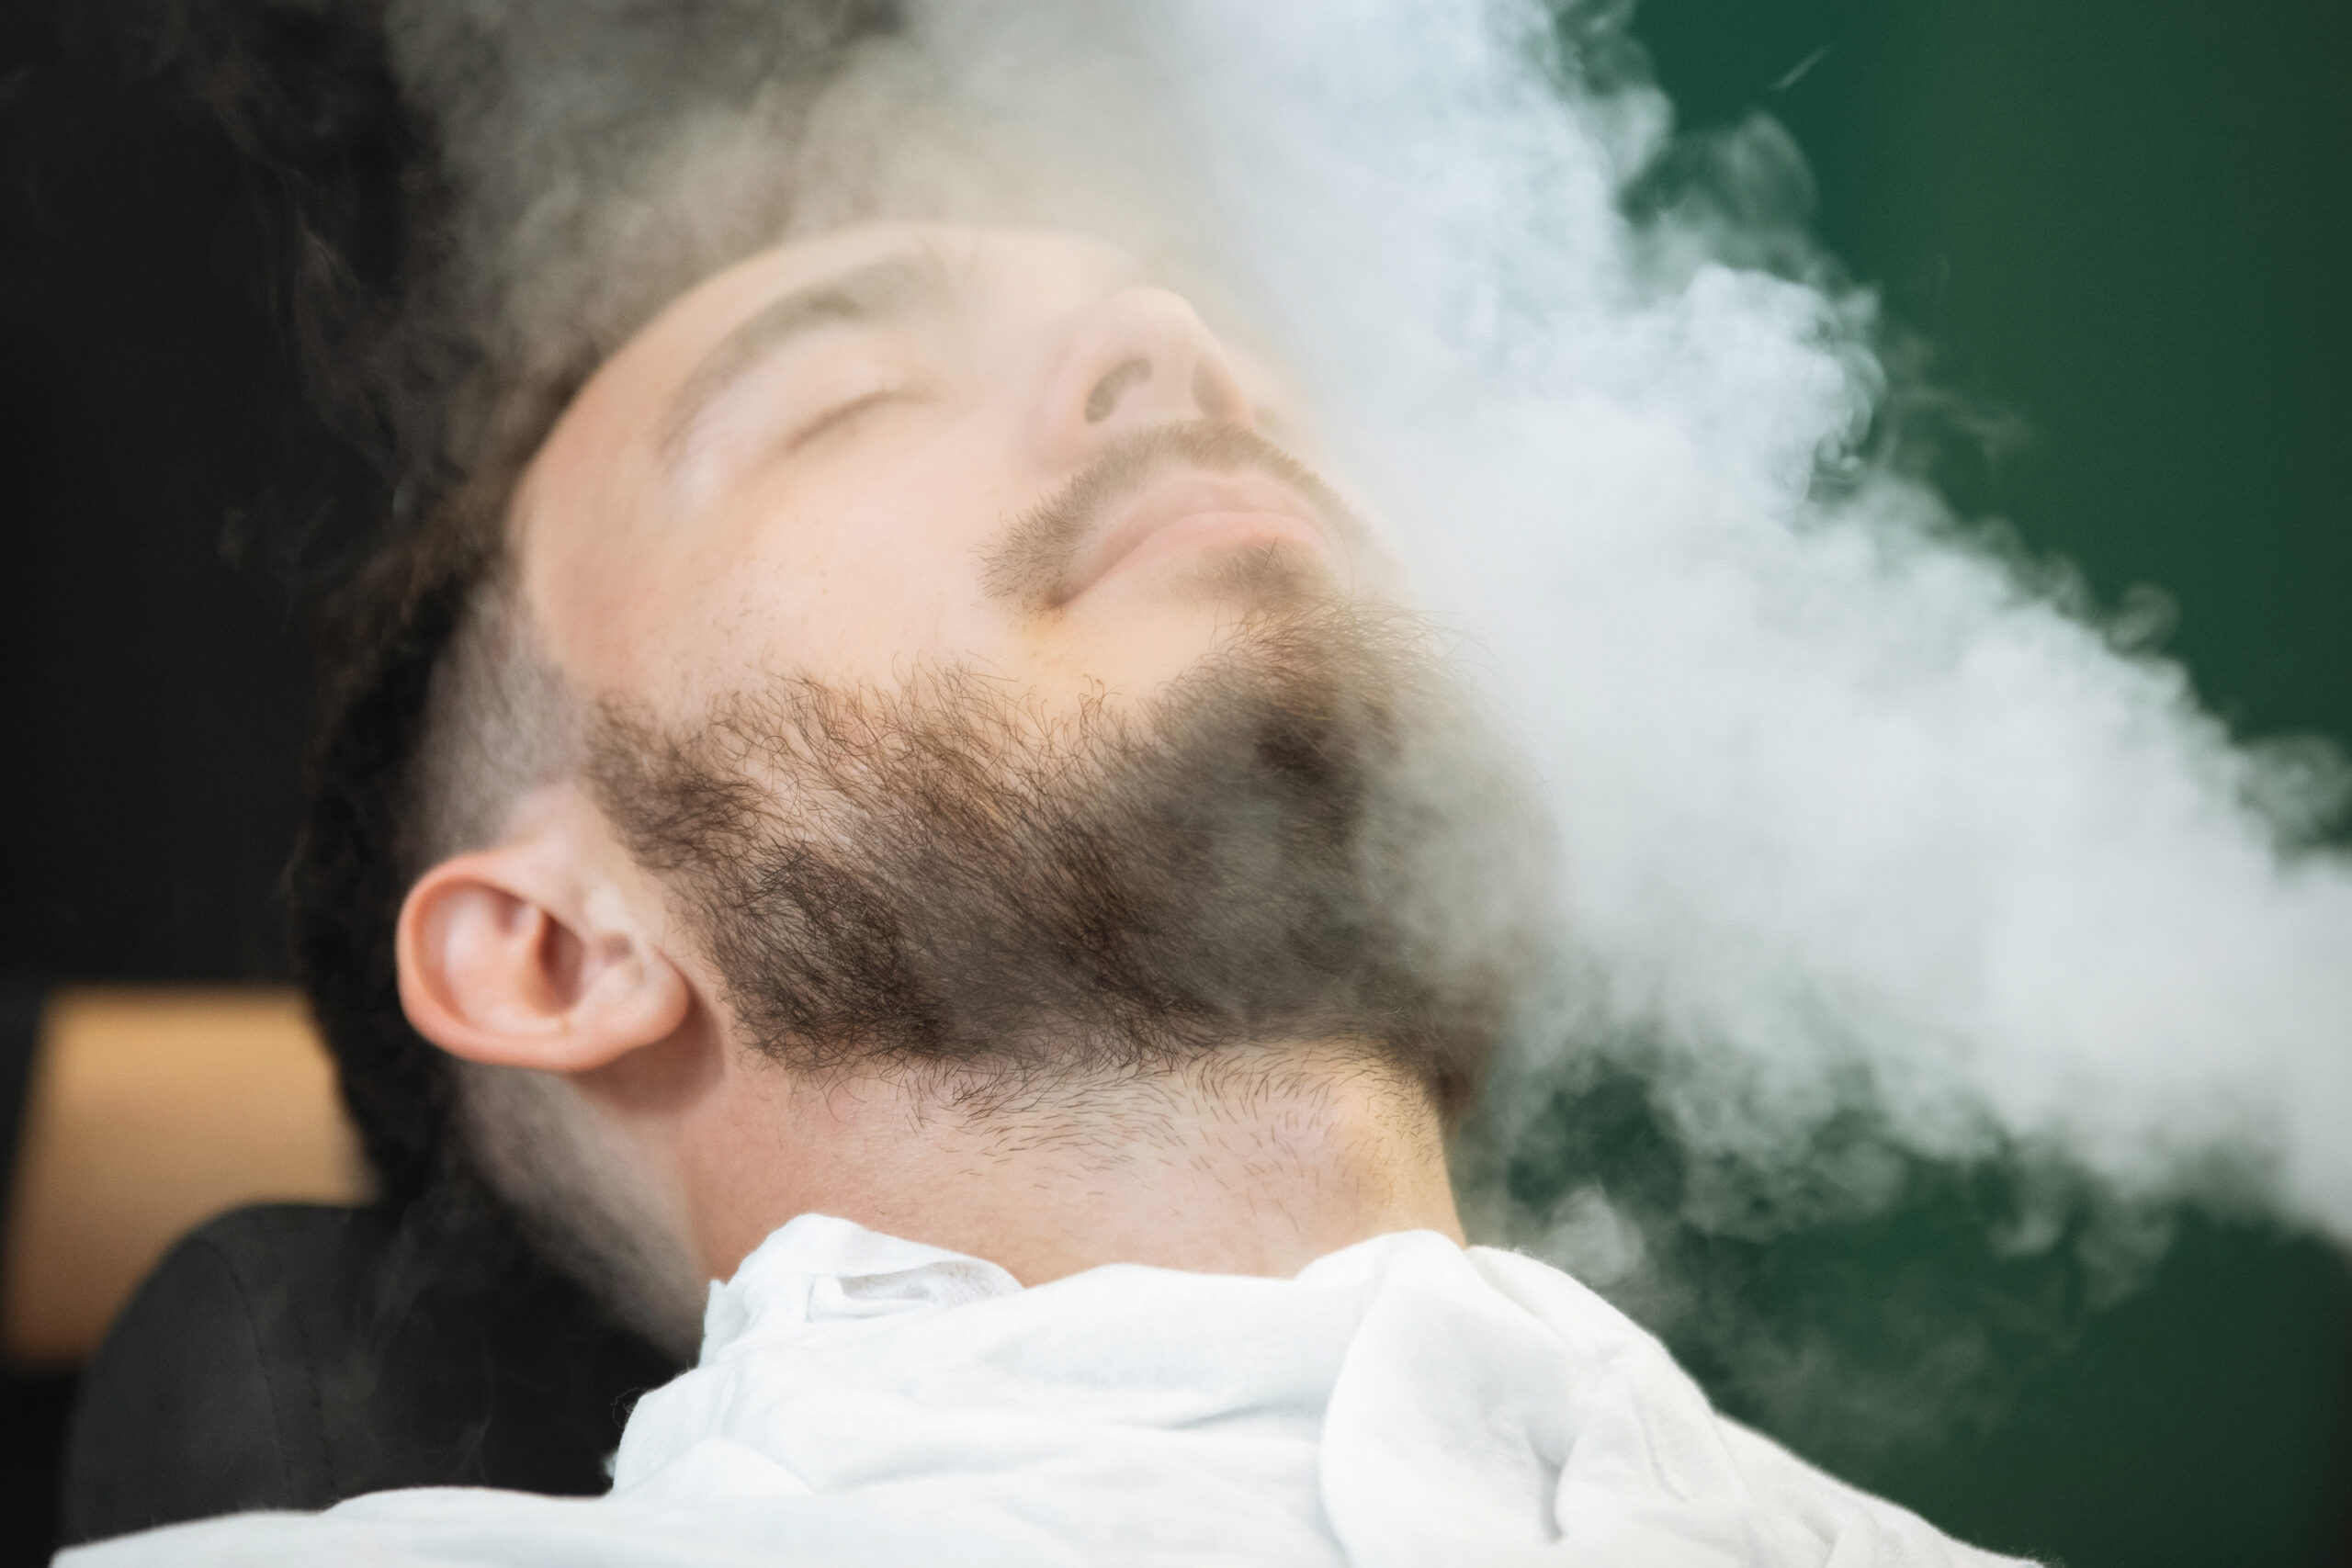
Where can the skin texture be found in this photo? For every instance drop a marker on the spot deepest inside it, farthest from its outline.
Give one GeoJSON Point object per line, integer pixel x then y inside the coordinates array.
{"type": "Point", "coordinates": [831, 510]}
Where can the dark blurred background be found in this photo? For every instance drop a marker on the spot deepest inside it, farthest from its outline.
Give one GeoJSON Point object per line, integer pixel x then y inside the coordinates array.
{"type": "Point", "coordinates": [2125, 226]}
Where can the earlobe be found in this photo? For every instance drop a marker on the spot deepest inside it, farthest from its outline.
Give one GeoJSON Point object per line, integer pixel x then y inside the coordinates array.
{"type": "Point", "coordinates": [501, 962]}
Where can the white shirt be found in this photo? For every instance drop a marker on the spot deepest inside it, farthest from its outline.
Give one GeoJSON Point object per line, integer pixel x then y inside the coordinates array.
{"type": "Point", "coordinates": [863, 1400]}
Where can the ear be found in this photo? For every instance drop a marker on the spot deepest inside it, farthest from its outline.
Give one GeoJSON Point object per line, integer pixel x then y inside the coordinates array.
{"type": "Point", "coordinates": [516, 956]}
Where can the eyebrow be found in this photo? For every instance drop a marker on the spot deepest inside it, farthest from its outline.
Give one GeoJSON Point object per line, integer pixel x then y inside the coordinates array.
{"type": "Point", "coordinates": [890, 289]}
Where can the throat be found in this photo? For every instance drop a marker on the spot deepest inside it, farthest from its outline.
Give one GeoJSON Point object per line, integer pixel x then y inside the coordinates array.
{"type": "Point", "coordinates": [1257, 1166]}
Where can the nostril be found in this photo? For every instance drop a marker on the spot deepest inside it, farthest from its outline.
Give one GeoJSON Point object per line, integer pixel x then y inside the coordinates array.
{"type": "Point", "coordinates": [1115, 386]}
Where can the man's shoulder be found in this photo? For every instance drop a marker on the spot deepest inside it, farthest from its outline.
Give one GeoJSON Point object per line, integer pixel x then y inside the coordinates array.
{"type": "Point", "coordinates": [1816, 1508]}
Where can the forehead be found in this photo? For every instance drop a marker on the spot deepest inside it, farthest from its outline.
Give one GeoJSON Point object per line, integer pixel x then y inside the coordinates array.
{"type": "Point", "coordinates": [980, 265]}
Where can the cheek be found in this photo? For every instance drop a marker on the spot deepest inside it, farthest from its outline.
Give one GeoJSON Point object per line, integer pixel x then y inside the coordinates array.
{"type": "Point", "coordinates": [857, 576]}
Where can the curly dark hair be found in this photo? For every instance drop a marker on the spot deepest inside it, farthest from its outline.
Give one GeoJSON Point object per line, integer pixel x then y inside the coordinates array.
{"type": "Point", "coordinates": [390, 635]}
{"type": "Point", "coordinates": [354, 858]}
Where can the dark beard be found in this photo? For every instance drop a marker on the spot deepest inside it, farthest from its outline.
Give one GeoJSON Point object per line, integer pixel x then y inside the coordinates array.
{"type": "Point", "coordinates": [1302, 839]}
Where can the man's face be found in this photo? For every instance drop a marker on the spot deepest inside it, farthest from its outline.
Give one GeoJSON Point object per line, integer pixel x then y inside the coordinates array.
{"type": "Point", "coordinates": [843, 458]}
{"type": "Point", "coordinates": [990, 690]}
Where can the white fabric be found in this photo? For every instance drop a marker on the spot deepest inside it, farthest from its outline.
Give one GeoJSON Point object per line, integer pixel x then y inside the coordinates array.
{"type": "Point", "coordinates": [866, 1401]}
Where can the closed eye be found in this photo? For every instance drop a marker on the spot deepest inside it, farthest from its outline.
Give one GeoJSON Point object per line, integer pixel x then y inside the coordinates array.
{"type": "Point", "coordinates": [839, 415]}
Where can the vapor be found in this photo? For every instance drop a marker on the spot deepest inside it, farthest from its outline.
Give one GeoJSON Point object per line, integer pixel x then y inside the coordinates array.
{"type": "Point", "coordinates": [1862, 812]}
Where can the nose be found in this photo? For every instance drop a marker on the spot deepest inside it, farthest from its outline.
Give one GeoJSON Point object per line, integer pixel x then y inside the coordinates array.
{"type": "Point", "coordinates": [1140, 357]}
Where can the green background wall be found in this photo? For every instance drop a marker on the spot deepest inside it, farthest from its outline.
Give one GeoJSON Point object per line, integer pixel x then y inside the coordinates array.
{"type": "Point", "coordinates": [2130, 227]}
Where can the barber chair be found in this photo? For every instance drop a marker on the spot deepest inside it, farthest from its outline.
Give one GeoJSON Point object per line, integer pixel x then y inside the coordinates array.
{"type": "Point", "coordinates": [289, 1356]}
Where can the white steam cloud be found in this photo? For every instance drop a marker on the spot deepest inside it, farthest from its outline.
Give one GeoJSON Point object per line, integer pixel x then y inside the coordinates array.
{"type": "Point", "coordinates": [1838, 791]}
{"type": "Point", "coordinates": [1853, 804]}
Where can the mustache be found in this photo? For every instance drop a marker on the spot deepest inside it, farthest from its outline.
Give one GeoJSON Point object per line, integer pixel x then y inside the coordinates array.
{"type": "Point", "coordinates": [1032, 567]}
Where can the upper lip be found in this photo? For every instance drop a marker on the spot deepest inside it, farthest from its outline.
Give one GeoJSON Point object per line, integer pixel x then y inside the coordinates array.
{"type": "Point", "coordinates": [1180, 496]}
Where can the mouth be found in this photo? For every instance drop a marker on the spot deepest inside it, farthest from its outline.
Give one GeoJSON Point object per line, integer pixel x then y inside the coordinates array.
{"type": "Point", "coordinates": [1193, 514]}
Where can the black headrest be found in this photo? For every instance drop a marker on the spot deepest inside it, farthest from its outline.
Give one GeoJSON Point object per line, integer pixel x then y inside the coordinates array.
{"type": "Point", "coordinates": [291, 1355]}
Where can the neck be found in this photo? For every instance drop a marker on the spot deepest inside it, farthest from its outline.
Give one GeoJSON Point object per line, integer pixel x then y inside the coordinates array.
{"type": "Point", "coordinates": [1254, 1169]}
